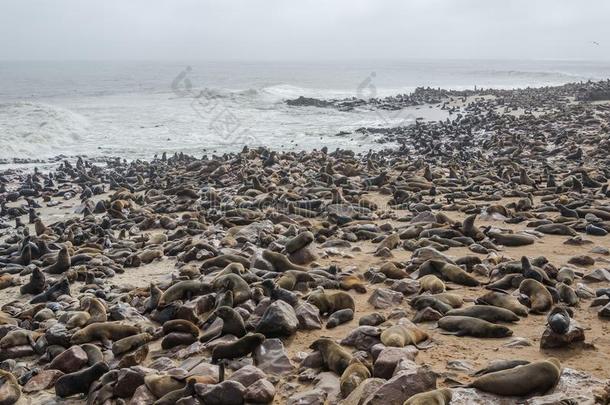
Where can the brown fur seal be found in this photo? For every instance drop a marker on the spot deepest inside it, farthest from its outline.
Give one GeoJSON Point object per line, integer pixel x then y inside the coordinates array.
{"type": "Point", "coordinates": [441, 396]}
{"type": "Point", "coordinates": [280, 262]}
{"type": "Point", "coordinates": [535, 378]}
{"type": "Point", "coordinates": [329, 303]}
{"type": "Point", "coordinates": [233, 323]}
{"type": "Point", "coordinates": [335, 357]}
{"type": "Point", "coordinates": [503, 300]}
{"type": "Point", "coordinates": [9, 388]}
{"type": "Point", "coordinates": [62, 264]}
{"type": "Point", "coordinates": [390, 270]}
{"type": "Point", "coordinates": [36, 284]}
{"type": "Point", "coordinates": [180, 325]}
{"type": "Point", "coordinates": [447, 271]}
{"type": "Point", "coordinates": [104, 332]}
{"type": "Point", "coordinates": [353, 376]}
{"type": "Point", "coordinates": [80, 381]}
{"type": "Point", "coordinates": [129, 343]}
{"type": "Point", "coordinates": [234, 283]}
{"type": "Point", "coordinates": [432, 284]}
{"type": "Point", "coordinates": [239, 348]}
{"type": "Point", "coordinates": [300, 241]}
{"type": "Point", "coordinates": [540, 298]}
{"type": "Point", "coordinates": [403, 335]}
{"type": "Point", "coordinates": [352, 281]}
{"type": "Point", "coordinates": [511, 239]}
{"type": "Point", "coordinates": [183, 289]}
{"type": "Point", "coordinates": [488, 313]}
{"type": "Point", "coordinates": [467, 326]}
{"type": "Point", "coordinates": [95, 308]}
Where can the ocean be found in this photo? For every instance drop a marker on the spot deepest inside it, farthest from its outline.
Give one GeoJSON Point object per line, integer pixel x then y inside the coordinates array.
{"type": "Point", "coordinates": [139, 109]}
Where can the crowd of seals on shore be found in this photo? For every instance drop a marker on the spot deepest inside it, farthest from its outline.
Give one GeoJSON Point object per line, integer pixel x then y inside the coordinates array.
{"type": "Point", "coordinates": [261, 248]}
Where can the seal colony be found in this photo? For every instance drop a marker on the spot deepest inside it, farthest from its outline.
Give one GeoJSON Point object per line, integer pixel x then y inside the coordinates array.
{"type": "Point", "coordinates": [323, 277]}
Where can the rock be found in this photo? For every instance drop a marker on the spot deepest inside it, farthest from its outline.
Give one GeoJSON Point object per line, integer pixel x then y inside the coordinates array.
{"type": "Point", "coordinates": [225, 393]}
{"type": "Point", "coordinates": [597, 275]}
{"type": "Point", "coordinates": [329, 383]}
{"type": "Point", "coordinates": [427, 315]}
{"type": "Point", "coordinates": [363, 337]}
{"type": "Point", "coordinates": [311, 397]}
{"type": "Point", "coordinates": [260, 392]}
{"type": "Point", "coordinates": [135, 357]}
{"type": "Point", "coordinates": [271, 357]}
{"type": "Point", "coordinates": [308, 316]}
{"type": "Point", "coordinates": [552, 340]}
{"type": "Point", "coordinates": [410, 380]}
{"type": "Point", "coordinates": [582, 260]}
{"type": "Point", "coordinates": [389, 357]}
{"type": "Point", "coordinates": [313, 360]}
{"type": "Point", "coordinates": [142, 396]}
{"type": "Point", "coordinates": [363, 391]}
{"type": "Point", "coordinates": [247, 375]}
{"type": "Point", "coordinates": [279, 319]}
{"type": "Point", "coordinates": [604, 312]}
{"type": "Point", "coordinates": [303, 256]}
{"type": "Point", "coordinates": [372, 319]}
{"type": "Point", "coordinates": [58, 335]}
{"type": "Point", "coordinates": [42, 381]}
{"type": "Point", "coordinates": [406, 286]}
{"type": "Point", "coordinates": [518, 342]}
{"type": "Point", "coordinates": [16, 352]}
{"type": "Point", "coordinates": [128, 381]}
{"type": "Point", "coordinates": [383, 298]}
{"type": "Point", "coordinates": [70, 360]}
{"type": "Point", "coordinates": [601, 250]}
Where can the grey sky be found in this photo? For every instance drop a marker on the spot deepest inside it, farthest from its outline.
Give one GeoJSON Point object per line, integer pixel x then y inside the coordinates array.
{"type": "Point", "coordinates": [304, 29]}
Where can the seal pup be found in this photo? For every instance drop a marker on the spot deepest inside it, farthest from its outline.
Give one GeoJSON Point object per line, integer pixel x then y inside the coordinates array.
{"type": "Point", "coordinates": [353, 376]}
{"type": "Point", "coordinates": [335, 357]}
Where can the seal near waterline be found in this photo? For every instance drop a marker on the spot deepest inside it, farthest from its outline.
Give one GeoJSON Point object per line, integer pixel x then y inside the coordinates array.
{"type": "Point", "coordinates": [403, 335]}
{"type": "Point", "coordinates": [539, 296]}
{"type": "Point", "coordinates": [441, 396]}
{"type": "Point", "coordinates": [353, 376]}
{"type": "Point", "coordinates": [80, 381]}
{"type": "Point", "coordinates": [36, 284]}
{"type": "Point", "coordinates": [329, 303]}
{"type": "Point", "coordinates": [334, 357]}
{"type": "Point", "coordinates": [488, 313]}
{"type": "Point", "coordinates": [104, 332]}
{"type": "Point", "coordinates": [535, 378]}
{"type": "Point", "coordinates": [468, 326]}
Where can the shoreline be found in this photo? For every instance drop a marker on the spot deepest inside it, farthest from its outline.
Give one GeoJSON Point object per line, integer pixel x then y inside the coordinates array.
{"type": "Point", "coordinates": [374, 218]}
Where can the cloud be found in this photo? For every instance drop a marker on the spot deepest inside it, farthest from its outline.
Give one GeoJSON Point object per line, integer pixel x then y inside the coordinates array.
{"type": "Point", "coordinates": [303, 30]}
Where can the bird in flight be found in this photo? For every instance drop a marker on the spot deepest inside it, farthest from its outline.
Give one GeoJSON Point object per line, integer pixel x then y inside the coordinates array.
{"type": "Point", "coordinates": [595, 43]}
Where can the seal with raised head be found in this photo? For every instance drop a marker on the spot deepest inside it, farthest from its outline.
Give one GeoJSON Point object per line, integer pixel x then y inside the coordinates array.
{"type": "Point", "coordinates": [335, 357]}
{"type": "Point", "coordinates": [80, 381]}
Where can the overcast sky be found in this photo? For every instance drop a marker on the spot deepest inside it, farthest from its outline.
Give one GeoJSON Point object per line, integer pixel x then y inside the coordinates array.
{"type": "Point", "coordinates": [303, 29]}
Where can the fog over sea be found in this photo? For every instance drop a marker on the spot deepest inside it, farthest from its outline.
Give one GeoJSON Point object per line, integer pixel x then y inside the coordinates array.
{"type": "Point", "coordinates": [138, 109]}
